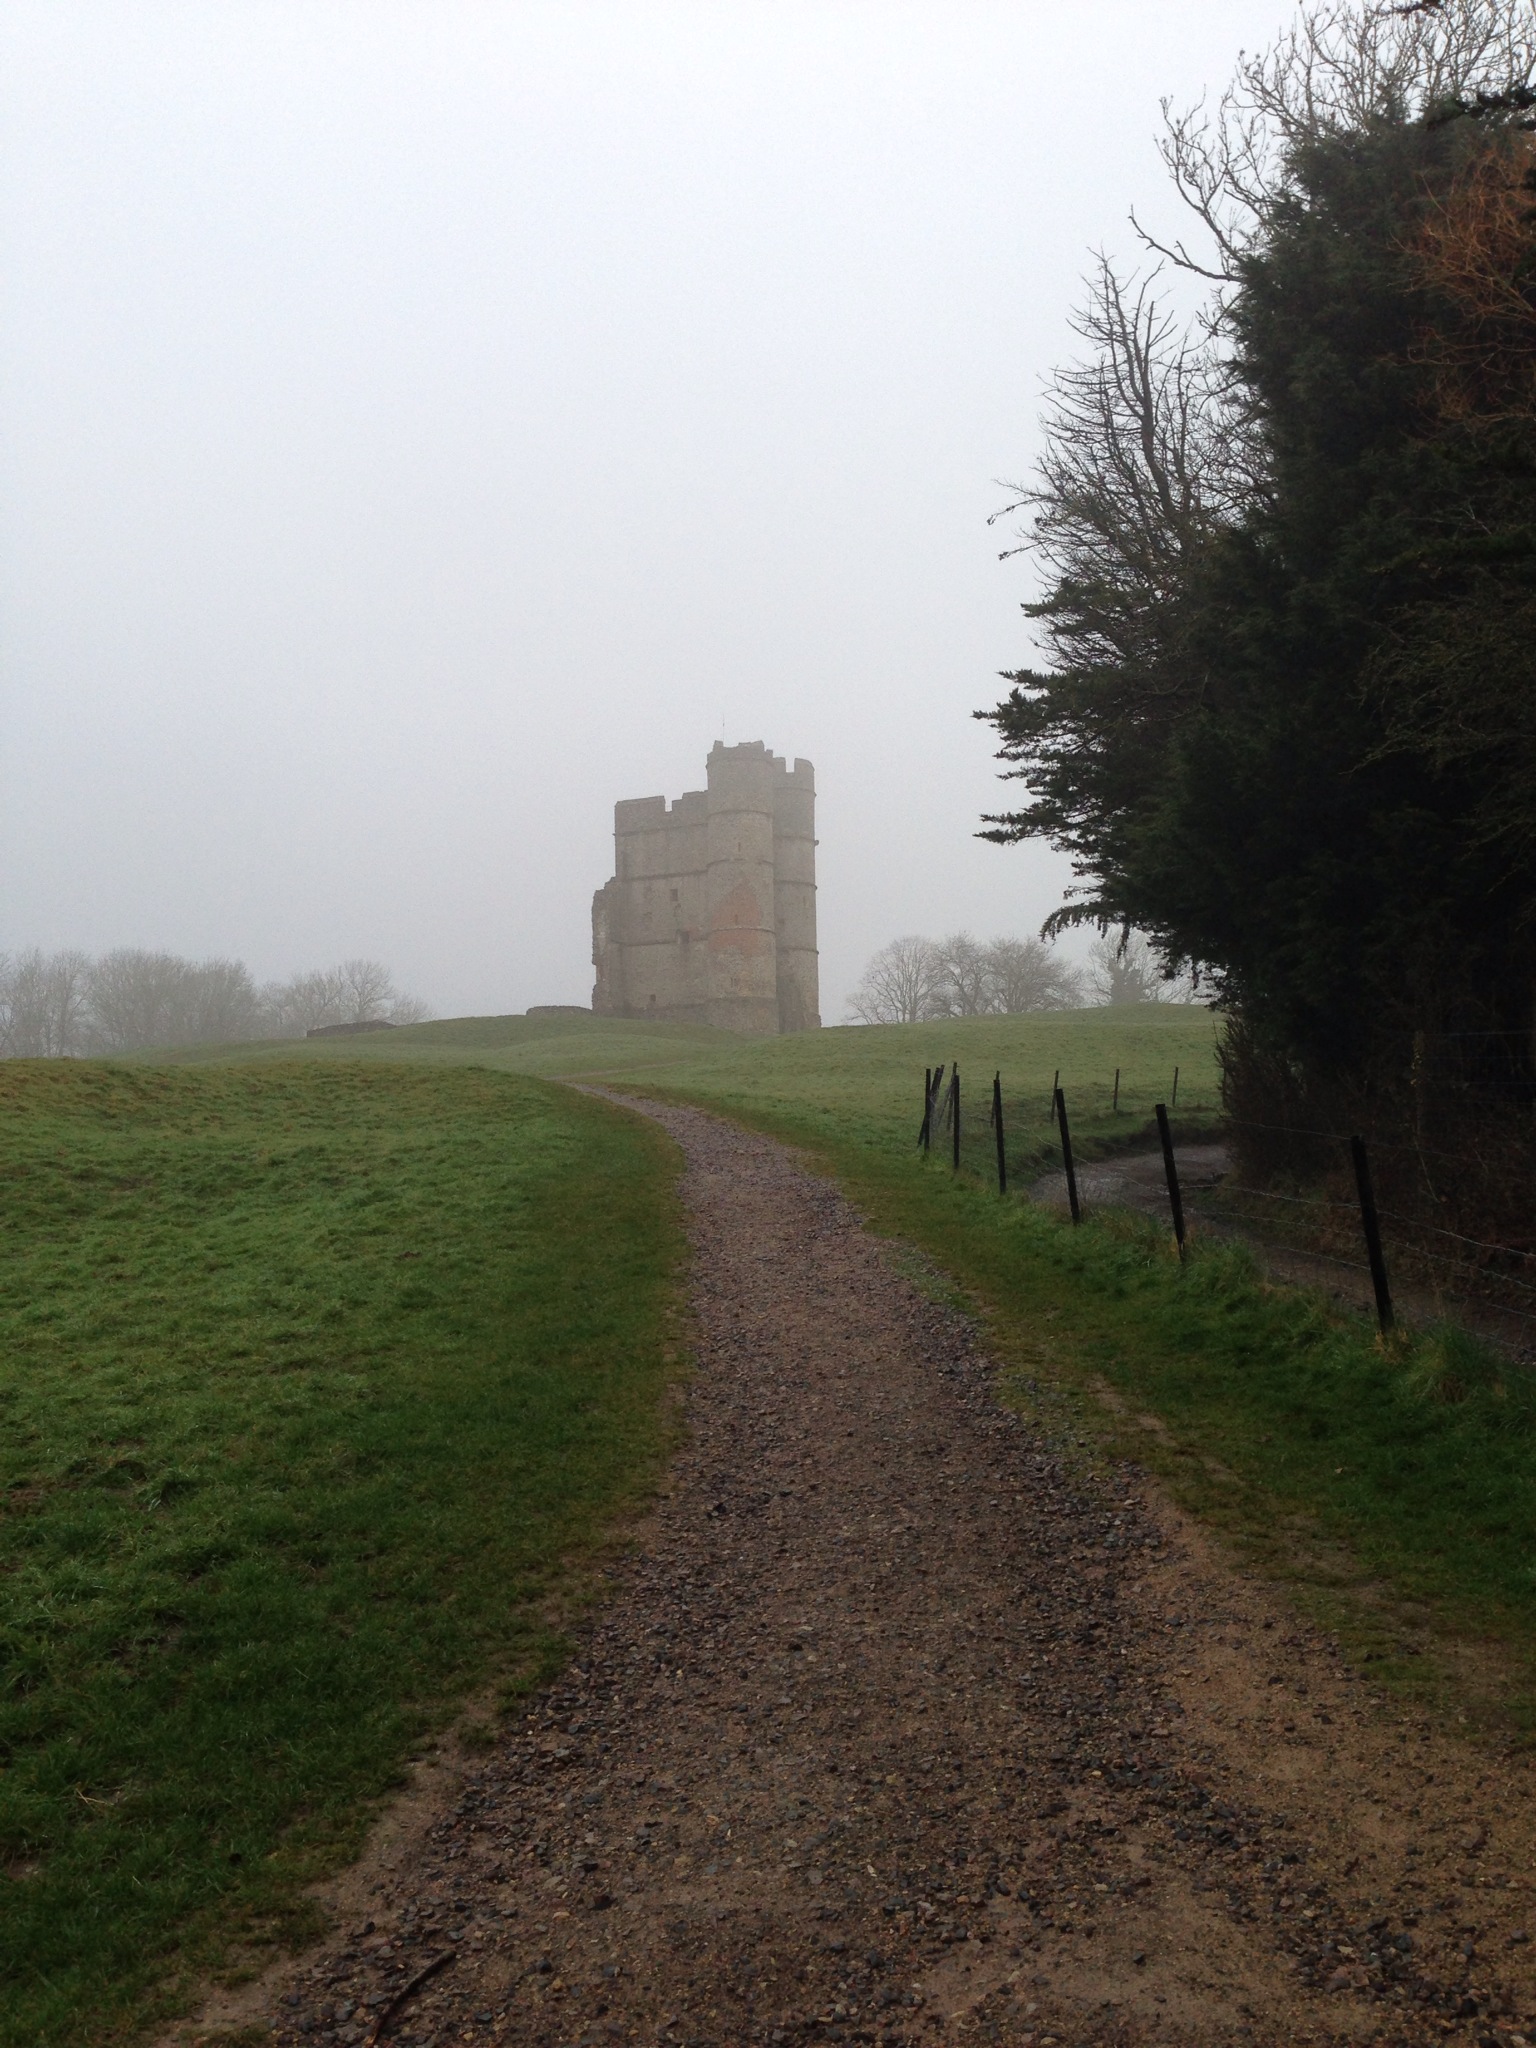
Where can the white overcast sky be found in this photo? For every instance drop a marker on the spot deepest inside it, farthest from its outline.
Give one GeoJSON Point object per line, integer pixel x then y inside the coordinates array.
{"type": "Point", "coordinates": [423, 424]}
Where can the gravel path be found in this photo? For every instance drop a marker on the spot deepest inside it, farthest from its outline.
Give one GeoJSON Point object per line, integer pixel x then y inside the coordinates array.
{"type": "Point", "coordinates": [898, 1728]}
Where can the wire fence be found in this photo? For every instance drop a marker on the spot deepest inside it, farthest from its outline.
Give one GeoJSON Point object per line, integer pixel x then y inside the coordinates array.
{"type": "Point", "coordinates": [1015, 1137]}
{"type": "Point", "coordinates": [1120, 1108]}
{"type": "Point", "coordinates": [1117, 1104]}
{"type": "Point", "coordinates": [1322, 1222]}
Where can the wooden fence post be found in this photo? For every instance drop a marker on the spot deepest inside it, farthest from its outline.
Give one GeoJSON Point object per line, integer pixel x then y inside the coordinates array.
{"type": "Point", "coordinates": [1170, 1169]}
{"type": "Point", "coordinates": [933, 1103]}
{"type": "Point", "coordinates": [954, 1097]}
{"type": "Point", "coordinates": [997, 1125]}
{"type": "Point", "coordinates": [1371, 1224]}
{"type": "Point", "coordinates": [1066, 1156]}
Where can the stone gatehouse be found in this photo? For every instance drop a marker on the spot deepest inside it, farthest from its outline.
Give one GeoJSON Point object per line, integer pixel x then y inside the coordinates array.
{"type": "Point", "coordinates": [710, 917]}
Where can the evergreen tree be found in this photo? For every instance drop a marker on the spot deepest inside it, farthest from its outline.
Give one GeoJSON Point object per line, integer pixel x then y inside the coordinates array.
{"type": "Point", "coordinates": [1291, 735]}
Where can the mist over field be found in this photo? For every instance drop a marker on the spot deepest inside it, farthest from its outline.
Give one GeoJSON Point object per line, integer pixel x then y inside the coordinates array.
{"type": "Point", "coordinates": [425, 426]}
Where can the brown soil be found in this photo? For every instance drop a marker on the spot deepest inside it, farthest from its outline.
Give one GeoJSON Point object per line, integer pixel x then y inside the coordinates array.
{"type": "Point", "coordinates": [1135, 1180]}
{"type": "Point", "coordinates": [899, 1726]}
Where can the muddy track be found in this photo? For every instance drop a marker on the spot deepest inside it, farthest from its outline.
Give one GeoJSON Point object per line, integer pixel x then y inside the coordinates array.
{"type": "Point", "coordinates": [898, 1728]}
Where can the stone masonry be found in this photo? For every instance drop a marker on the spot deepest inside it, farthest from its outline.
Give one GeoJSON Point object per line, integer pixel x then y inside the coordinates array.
{"type": "Point", "coordinates": [710, 917]}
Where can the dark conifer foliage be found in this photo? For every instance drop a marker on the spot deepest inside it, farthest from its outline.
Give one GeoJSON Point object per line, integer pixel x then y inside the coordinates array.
{"type": "Point", "coordinates": [1296, 743]}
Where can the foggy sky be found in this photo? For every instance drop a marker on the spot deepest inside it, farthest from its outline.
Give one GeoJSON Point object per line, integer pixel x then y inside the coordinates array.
{"type": "Point", "coordinates": [421, 425]}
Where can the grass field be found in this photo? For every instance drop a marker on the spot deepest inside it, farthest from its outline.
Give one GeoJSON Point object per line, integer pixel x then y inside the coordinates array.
{"type": "Point", "coordinates": [860, 1084]}
{"type": "Point", "coordinates": [555, 1046]}
{"type": "Point", "coordinates": [315, 1376]}
{"type": "Point", "coordinates": [1390, 1486]}
{"type": "Point", "coordinates": [862, 1087]}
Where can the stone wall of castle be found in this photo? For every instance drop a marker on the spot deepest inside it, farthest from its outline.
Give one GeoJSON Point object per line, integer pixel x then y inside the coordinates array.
{"type": "Point", "coordinates": [710, 917]}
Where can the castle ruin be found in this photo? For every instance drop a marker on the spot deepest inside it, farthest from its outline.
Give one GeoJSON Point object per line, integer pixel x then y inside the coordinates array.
{"type": "Point", "coordinates": [710, 917]}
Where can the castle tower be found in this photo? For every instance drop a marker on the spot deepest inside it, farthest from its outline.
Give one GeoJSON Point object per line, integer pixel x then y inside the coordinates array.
{"type": "Point", "coordinates": [710, 917]}
{"type": "Point", "coordinates": [742, 934]}
{"type": "Point", "coordinates": [794, 898]}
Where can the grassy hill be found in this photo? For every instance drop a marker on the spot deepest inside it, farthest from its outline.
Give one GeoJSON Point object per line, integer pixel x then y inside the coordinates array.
{"type": "Point", "coordinates": [863, 1085]}
{"type": "Point", "coordinates": [319, 1362]}
{"type": "Point", "coordinates": [314, 1379]}
{"type": "Point", "coordinates": [517, 1044]}
{"type": "Point", "coordinates": [858, 1083]}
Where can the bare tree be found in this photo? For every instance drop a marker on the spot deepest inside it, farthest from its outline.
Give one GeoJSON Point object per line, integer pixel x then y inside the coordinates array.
{"type": "Point", "coordinates": [221, 1004]}
{"type": "Point", "coordinates": [898, 985]}
{"type": "Point", "coordinates": [1145, 454]}
{"type": "Point", "coordinates": [368, 990]}
{"type": "Point", "coordinates": [1149, 448]}
{"type": "Point", "coordinates": [1127, 968]}
{"type": "Point", "coordinates": [963, 983]}
{"type": "Point", "coordinates": [136, 998]}
{"type": "Point", "coordinates": [303, 1002]}
{"type": "Point", "coordinates": [43, 1005]}
{"type": "Point", "coordinates": [357, 992]}
{"type": "Point", "coordinates": [1340, 70]}
{"type": "Point", "coordinates": [306, 1001]}
{"type": "Point", "coordinates": [915, 979]}
{"type": "Point", "coordinates": [1024, 975]}
{"type": "Point", "coordinates": [54, 1005]}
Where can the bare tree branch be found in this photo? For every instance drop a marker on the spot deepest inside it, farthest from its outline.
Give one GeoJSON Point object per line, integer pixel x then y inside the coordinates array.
{"type": "Point", "coordinates": [1341, 67]}
{"type": "Point", "coordinates": [898, 986]}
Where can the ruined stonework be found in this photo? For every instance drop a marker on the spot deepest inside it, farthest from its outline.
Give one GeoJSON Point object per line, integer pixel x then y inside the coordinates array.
{"type": "Point", "coordinates": [711, 914]}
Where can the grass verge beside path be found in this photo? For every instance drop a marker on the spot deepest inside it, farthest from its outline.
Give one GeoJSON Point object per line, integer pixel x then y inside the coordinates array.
{"type": "Point", "coordinates": [863, 1085]}
{"type": "Point", "coordinates": [1390, 1487]}
{"type": "Point", "coordinates": [316, 1377]}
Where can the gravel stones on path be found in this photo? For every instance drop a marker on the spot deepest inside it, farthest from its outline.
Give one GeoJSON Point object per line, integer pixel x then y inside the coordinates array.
{"type": "Point", "coordinates": [898, 1728]}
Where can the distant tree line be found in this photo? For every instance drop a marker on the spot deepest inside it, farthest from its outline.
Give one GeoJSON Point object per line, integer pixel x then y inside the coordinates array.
{"type": "Point", "coordinates": [1286, 719]}
{"type": "Point", "coordinates": [913, 980]}
{"type": "Point", "coordinates": [69, 1005]}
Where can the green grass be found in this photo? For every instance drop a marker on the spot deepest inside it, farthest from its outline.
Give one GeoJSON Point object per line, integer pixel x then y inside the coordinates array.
{"type": "Point", "coordinates": [317, 1375]}
{"type": "Point", "coordinates": [523, 1045]}
{"type": "Point", "coordinates": [861, 1083]}
{"type": "Point", "coordinates": [862, 1086]}
{"type": "Point", "coordinates": [1390, 1487]}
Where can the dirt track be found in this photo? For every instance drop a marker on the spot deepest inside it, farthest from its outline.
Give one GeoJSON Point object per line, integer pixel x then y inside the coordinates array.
{"type": "Point", "coordinates": [897, 1728]}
